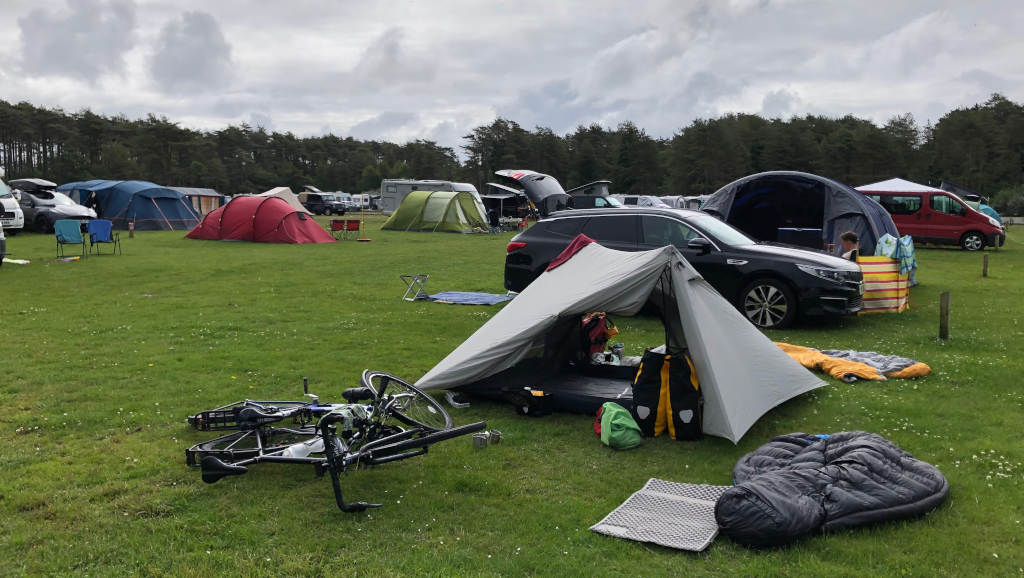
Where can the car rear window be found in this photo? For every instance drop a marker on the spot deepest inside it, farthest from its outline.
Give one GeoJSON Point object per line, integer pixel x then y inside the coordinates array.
{"type": "Point", "coordinates": [565, 227]}
{"type": "Point", "coordinates": [618, 228]}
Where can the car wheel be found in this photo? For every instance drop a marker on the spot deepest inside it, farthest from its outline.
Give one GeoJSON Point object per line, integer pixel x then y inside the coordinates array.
{"type": "Point", "coordinates": [768, 304]}
{"type": "Point", "coordinates": [972, 241]}
{"type": "Point", "coordinates": [12, 232]}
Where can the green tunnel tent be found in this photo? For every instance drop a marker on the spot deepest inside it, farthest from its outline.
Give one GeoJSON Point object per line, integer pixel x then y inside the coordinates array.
{"type": "Point", "coordinates": [434, 211]}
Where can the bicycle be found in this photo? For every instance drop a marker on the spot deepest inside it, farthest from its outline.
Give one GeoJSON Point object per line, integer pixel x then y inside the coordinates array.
{"type": "Point", "coordinates": [398, 422]}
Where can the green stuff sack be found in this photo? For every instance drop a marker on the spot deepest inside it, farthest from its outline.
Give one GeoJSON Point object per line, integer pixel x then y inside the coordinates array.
{"type": "Point", "coordinates": [618, 428]}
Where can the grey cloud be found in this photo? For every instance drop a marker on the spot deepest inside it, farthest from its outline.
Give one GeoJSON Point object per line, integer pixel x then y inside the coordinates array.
{"type": "Point", "coordinates": [909, 49]}
{"type": "Point", "coordinates": [191, 55]}
{"type": "Point", "coordinates": [389, 63]}
{"type": "Point", "coordinates": [555, 105]}
{"type": "Point", "coordinates": [382, 125]}
{"type": "Point", "coordinates": [707, 87]}
{"type": "Point", "coordinates": [983, 78]}
{"type": "Point", "coordinates": [261, 120]}
{"type": "Point", "coordinates": [447, 133]}
{"type": "Point", "coordinates": [84, 41]}
{"type": "Point", "coordinates": [779, 103]}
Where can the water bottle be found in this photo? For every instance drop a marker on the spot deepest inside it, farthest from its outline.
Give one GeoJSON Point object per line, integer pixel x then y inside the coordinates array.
{"type": "Point", "coordinates": [303, 449]}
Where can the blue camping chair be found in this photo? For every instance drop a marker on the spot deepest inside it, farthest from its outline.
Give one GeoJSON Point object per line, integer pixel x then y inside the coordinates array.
{"type": "Point", "coordinates": [100, 231]}
{"type": "Point", "coordinates": [68, 232]}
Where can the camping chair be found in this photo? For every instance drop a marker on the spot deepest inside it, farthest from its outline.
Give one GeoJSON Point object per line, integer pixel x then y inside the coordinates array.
{"type": "Point", "coordinates": [100, 231]}
{"type": "Point", "coordinates": [416, 286]}
{"type": "Point", "coordinates": [68, 232]}
{"type": "Point", "coordinates": [345, 226]}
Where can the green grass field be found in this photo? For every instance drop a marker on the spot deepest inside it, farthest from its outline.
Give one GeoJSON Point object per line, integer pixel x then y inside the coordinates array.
{"type": "Point", "coordinates": [104, 358]}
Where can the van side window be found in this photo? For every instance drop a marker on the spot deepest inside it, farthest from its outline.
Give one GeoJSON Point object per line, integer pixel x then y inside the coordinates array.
{"type": "Point", "coordinates": [392, 188]}
{"type": "Point", "coordinates": [899, 204]}
{"type": "Point", "coordinates": [946, 204]}
{"type": "Point", "coordinates": [565, 227]}
{"type": "Point", "coordinates": [612, 228]}
{"type": "Point", "coordinates": [629, 201]}
{"type": "Point", "coordinates": [659, 231]}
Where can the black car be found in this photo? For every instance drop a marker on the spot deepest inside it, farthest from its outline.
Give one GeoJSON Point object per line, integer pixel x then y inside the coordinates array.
{"type": "Point", "coordinates": [770, 284]}
{"type": "Point", "coordinates": [324, 204]}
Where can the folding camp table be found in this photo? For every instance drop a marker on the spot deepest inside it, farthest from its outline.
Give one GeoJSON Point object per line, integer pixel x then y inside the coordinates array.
{"type": "Point", "coordinates": [416, 286]}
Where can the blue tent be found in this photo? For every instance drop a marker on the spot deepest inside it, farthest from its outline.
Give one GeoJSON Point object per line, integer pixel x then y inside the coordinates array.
{"type": "Point", "coordinates": [150, 206]}
{"type": "Point", "coordinates": [800, 209]}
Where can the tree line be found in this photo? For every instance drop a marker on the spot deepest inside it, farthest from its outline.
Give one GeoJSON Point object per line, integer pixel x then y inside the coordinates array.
{"type": "Point", "coordinates": [980, 147]}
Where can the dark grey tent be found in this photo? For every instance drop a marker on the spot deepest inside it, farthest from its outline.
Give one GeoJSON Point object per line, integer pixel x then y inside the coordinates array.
{"type": "Point", "coordinates": [800, 209]}
{"type": "Point", "coordinates": [742, 373]}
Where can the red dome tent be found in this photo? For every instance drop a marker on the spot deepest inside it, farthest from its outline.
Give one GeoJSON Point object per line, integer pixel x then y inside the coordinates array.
{"type": "Point", "coordinates": [262, 220]}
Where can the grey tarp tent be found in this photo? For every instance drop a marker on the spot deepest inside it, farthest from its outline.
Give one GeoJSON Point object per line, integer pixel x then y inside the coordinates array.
{"type": "Point", "coordinates": [742, 373]}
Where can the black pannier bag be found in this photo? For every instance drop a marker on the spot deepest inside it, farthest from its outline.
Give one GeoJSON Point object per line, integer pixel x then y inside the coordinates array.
{"type": "Point", "coordinates": [667, 396]}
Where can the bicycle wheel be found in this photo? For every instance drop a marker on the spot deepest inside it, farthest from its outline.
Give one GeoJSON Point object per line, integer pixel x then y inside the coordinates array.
{"type": "Point", "coordinates": [243, 445]}
{"type": "Point", "coordinates": [414, 407]}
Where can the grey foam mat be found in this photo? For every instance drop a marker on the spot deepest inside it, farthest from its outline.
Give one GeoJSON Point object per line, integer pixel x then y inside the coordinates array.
{"type": "Point", "coordinates": [669, 514]}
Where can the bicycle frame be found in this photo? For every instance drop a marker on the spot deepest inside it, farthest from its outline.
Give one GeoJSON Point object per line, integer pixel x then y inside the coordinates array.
{"type": "Point", "coordinates": [368, 437]}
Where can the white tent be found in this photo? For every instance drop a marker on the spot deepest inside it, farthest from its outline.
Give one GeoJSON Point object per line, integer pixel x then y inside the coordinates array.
{"type": "Point", "coordinates": [898, 186]}
{"type": "Point", "coordinates": [742, 373]}
{"type": "Point", "coordinates": [287, 195]}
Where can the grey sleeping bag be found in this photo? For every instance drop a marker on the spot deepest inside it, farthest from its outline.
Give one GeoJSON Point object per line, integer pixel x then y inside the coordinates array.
{"type": "Point", "coordinates": [802, 483]}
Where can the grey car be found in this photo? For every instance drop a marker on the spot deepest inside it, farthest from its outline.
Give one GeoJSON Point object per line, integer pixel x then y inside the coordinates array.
{"type": "Point", "coordinates": [43, 206]}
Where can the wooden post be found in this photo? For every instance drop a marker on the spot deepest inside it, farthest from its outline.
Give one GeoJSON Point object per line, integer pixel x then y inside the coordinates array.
{"type": "Point", "coordinates": [944, 315]}
{"type": "Point", "coordinates": [984, 267]}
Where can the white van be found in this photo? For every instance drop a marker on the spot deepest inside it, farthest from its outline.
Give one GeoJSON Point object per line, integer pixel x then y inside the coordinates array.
{"type": "Point", "coordinates": [12, 218]}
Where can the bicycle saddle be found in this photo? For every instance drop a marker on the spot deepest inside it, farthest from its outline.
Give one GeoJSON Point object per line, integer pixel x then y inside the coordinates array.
{"type": "Point", "coordinates": [357, 394]}
{"type": "Point", "coordinates": [214, 469]}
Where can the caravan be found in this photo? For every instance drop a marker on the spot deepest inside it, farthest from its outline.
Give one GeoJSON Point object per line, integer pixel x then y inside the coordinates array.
{"type": "Point", "coordinates": [394, 191]}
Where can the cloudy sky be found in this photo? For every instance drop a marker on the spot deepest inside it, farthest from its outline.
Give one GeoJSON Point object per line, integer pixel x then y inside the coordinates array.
{"type": "Point", "coordinates": [436, 69]}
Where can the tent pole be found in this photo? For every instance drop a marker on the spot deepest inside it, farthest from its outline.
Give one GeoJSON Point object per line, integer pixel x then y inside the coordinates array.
{"type": "Point", "coordinates": [169, 226]}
